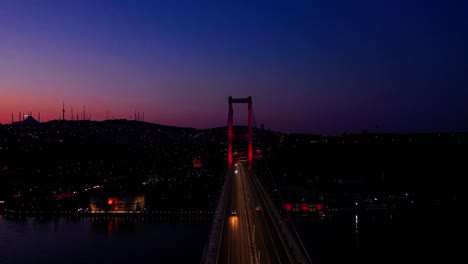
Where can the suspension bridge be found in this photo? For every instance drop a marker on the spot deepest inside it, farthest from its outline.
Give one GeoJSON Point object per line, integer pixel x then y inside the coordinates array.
{"type": "Point", "coordinates": [247, 225]}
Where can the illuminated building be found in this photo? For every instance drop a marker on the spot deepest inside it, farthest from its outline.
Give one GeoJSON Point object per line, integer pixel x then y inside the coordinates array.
{"type": "Point", "coordinates": [128, 203]}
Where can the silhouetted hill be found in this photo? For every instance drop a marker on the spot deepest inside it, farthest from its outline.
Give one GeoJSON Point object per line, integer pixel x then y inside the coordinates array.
{"type": "Point", "coordinates": [360, 167]}
{"type": "Point", "coordinates": [58, 156]}
{"type": "Point", "coordinates": [64, 156]}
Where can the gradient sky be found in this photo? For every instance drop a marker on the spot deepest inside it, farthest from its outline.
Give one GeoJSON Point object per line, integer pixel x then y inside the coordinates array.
{"type": "Point", "coordinates": [310, 66]}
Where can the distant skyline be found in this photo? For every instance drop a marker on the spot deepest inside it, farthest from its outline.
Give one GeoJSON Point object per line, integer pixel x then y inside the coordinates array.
{"type": "Point", "coordinates": [310, 66]}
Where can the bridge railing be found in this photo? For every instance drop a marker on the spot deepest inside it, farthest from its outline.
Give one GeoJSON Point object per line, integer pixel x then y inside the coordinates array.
{"type": "Point", "coordinates": [211, 251]}
{"type": "Point", "coordinates": [288, 231]}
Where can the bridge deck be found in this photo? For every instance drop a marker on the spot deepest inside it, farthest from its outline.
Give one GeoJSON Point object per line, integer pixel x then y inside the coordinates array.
{"type": "Point", "coordinates": [250, 236]}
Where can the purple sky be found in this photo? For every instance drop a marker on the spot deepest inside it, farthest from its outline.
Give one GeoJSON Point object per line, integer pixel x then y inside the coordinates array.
{"type": "Point", "coordinates": [338, 66]}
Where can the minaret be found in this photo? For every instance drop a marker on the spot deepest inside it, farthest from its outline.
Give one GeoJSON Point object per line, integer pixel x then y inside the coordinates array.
{"type": "Point", "coordinates": [63, 111]}
{"type": "Point", "coordinates": [84, 112]}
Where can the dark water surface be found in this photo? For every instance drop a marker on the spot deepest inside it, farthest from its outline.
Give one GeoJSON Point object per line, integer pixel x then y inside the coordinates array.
{"type": "Point", "coordinates": [101, 240]}
{"type": "Point", "coordinates": [412, 237]}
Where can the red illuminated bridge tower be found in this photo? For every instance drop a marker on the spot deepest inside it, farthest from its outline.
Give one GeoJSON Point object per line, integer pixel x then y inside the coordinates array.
{"type": "Point", "coordinates": [247, 136]}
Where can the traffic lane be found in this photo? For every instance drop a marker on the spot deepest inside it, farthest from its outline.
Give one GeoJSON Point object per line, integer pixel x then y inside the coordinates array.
{"type": "Point", "coordinates": [266, 250]}
{"type": "Point", "coordinates": [234, 249]}
{"type": "Point", "coordinates": [249, 200]}
{"type": "Point", "coordinates": [244, 231]}
{"type": "Point", "coordinates": [266, 230]}
{"type": "Point", "coordinates": [261, 250]}
{"type": "Point", "coordinates": [243, 198]}
{"type": "Point", "coordinates": [238, 208]}
{"type": "Point", "coordinates": [239, 244]}
{"type": "Point", "coordinates": [265, 253]}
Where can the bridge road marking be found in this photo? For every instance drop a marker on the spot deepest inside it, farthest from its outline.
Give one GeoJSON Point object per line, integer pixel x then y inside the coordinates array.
{"type": "Point", "coordinates": [252, 248]}
{"type": "Point", "coordinates": [230, 237]}
{"type": "Point", "coordinates": [276, 228]}
{"type": "Point", "coordinates": [260, 233]}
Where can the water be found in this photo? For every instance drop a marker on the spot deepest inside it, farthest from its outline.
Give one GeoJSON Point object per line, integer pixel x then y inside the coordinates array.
{"type": "Point", "coordinates": [413, 237]}
{"type": "Point", "coordinates": [101, 240]}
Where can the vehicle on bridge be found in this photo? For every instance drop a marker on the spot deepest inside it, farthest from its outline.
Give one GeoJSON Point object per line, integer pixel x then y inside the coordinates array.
{"type": "Point", "coordinates": [233, 212]}
{"type": "Point", "coordinates": [258, 208]}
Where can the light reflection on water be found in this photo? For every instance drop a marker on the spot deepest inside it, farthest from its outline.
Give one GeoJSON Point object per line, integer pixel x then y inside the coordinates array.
{"type": "Point", "coordinates": [382, 237]}
{"type": "Point", "coordinates": [356, 224]}
{"type": "Point", "coordinates": [102, 239]}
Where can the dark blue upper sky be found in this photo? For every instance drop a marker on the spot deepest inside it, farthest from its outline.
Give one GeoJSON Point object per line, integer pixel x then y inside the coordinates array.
{"type": "Point", "coordinates": [310, 66]}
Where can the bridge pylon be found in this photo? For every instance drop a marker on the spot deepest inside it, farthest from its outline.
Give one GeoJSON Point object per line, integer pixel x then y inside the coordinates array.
{"type": "Point", "coordinates": [247, 136]}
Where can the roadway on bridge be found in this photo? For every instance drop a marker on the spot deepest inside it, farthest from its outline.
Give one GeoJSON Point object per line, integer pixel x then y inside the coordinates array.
{"type": "Point", "coordinates": [249, 236]}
